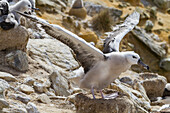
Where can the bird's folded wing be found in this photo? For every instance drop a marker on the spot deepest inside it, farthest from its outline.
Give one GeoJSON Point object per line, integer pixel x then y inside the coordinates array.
{"type": "Point", "coordinates": [86, 54]}
{"type": "Point", "coordinates": [119, 31]}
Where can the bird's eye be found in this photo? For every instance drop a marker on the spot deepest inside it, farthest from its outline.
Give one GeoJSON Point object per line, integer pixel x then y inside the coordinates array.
{"type": "Point", "coordinates": [29, 5]}
{"type": "Point", "coordinates": [134, 57]}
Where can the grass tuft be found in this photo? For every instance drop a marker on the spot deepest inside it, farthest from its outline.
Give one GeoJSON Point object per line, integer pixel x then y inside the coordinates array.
{"type": "Point", "coordinates": [102, 22]}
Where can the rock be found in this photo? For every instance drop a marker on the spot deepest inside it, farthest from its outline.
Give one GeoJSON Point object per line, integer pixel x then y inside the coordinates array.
{"type": "Point", "coordinates": [154, 84]}
{"type": "Point", "coordinates": [164, 4]}
{"type": "Point", "coordinates": [50, 92]}
{"type": "Point", "coordinates": [160, 22]}
{"type": "Point", "coordinates": [167, 90]}
{"type": "Point", "coordinates": [44, 98]}
{"type": "Point", "coordinates": [155, 37]}
{"type": "Point", "coordinates": [32, 108]}
{"type": "Point", "coordinates": [3, 103]}
{"type": "Point", "coordinates": [7, 77]}
{"type": "Point", "coordinates": [71, 24]}
{"type": "Point", "coordinates": [127, 80]}
{"type": "Point", "coordinates": [26, 89]}
{"type": "Point", "coordinates": [78, 12]}
{"type": "Point", "coordinates": [89, 36]}
{"type": "Point", "coordinates": [62, 3]}
{"type": "Point", "coordinates": [78, 9]}
{"type": "Point", "coordinates": [72, 98]}
{"type": "Point", "coordinates": [168, 10]}
{"type": "Point", "coordinates": [138, 97]}
{"type": "Point", "coordinates": [3, 86]}
{"type": "Point", "coordinates": [14, 39]}
{"type": "Point", "coordinates": [143, 13]}
{"type": "Point", "coordinates": [153, 12]}
{"type": "Point", "coordinates": [60, 83]}
{"type": "Point", "coordinates": [25, 99]}
{"type": "Point", "coordinates": [51, 54]}
{"type": "Point", "coordinates": [58, 97]}
{"type": "Point", "coordinates": [77, 4]}
{"type": "Point", "coordinates": [93, 9]}
{"type": "Point", "coordinates": [140, 34]}
{"type": "Point", "coordinates": [29, 81]}
{"type": "Point", "coordinates": [123, 5]}
{"type": "Point", "coordinates": [14, 110]}
{"type": "Point", "coordinates": [148, 25]}
{"type": "Point", "coordinates": [51, 6]}
{"type": "Point", "coordinates": [165, 64]}
{"type": "Point", "coordinates": [39, 87]}
{"type": "Point", "coordinates": [85, 104]}
{"type": "Point", "coordinates": [17, 60]}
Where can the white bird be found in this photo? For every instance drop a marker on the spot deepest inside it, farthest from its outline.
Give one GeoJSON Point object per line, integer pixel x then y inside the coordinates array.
{"type": "Point", "coordinates": [99, 69]}
{"type": "Point", "coordinates": [8, 22]}
{"type": "Point", "coordinates": [22, 6]}
{"type": "Point", "coordinates": [119, 31]}
{"type": "Point", "coordinates": [12, 2]}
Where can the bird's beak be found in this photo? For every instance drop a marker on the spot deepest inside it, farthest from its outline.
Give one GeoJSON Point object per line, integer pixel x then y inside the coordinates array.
{"type": "Point", "coordinates": [142, 64]}
{"type": "Point", "coordinates": [33, 8]}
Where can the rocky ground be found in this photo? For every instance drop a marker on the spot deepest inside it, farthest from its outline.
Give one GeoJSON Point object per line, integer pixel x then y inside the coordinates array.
{"type": "Point", "coordinates": [35, 67]}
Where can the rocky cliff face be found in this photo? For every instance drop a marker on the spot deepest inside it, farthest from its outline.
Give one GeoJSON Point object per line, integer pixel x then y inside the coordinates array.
{"type": "Point", "coordinates": [35, 67]}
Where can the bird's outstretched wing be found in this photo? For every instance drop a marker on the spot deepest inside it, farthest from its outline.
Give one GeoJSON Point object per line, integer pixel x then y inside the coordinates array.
{"type": "Point", "coordinates": [113, 39]}
{"type": "Point", "coordinates": [86, 54]}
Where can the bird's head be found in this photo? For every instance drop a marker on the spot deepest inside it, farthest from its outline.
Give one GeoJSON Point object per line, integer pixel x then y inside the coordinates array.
{"type": "Point", "coordinates": [26, 5]}
{"type": "Point", "coordinates": [134, 58]}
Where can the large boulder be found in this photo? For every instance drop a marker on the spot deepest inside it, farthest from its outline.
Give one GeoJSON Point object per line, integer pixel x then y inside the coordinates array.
{"type": "Point", "coordinates": [60, 83]}
{"type": "Point", "coordinates": [78, 12]}
{"type": "Point", "coordinates": [154, 84]}
{"type": "Point", "coordinates": [120, 104]}
{"type": "Point", "coordinates": [17, 59]}
{"type": "Point", "coordinates": [14, 38]}
{"type": "Point", "coordinates": [51, 54]}
{"type": "Point", "coordinates": [165, 64]}
{"type": "Point", "coordinates": [55, 62]}
{"type": "Point", "coordinates": [135, 93]}
{"type": "Point", "coordinates": [149, 42]}
{"type": "Point", "coordinates": [78, 9]}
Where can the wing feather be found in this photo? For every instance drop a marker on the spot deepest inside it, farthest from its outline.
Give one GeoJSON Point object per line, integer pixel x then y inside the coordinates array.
{"type": "Point", "coordinates": [86, 54]}
{"type": "Point", "coordinates": [113, 39]}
